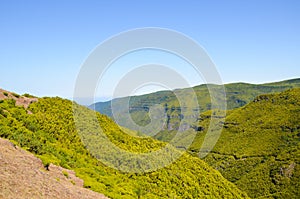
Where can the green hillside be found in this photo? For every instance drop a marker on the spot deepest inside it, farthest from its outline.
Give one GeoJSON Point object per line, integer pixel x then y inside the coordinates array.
{"type": "Point", "coordinates": [47, 129]}
{"type": "Point", "coordinates": [237, 95]}
{"type": "Point", "coordinates": [259, 149]}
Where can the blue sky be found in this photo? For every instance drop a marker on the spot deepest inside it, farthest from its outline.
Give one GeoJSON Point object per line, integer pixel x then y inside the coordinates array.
{"type": "Point", "coordinates": [44, 43]}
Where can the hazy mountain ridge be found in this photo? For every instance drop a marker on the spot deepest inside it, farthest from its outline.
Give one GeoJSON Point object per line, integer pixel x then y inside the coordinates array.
{"type": "Point", "coordinates": [237, 95]}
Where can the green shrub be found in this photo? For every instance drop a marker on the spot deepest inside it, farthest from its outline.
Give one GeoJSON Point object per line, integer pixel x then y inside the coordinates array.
{"type": "Point", "coordinates": [16, 95]}
{"type": "Point", "coordinates": [66, 174]}
{"type": "Point", "coordinates": [28, 95]}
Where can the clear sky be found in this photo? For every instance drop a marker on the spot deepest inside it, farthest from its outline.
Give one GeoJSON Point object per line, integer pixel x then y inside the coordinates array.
{"type": "Point", "coordinates": [44, 43]}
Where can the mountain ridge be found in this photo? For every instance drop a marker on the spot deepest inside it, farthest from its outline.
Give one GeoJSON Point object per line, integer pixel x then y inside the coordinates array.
{"type": "Point", "coordinates": [296, 80]}
{"type": "Point", "coordinates": [237, 95]}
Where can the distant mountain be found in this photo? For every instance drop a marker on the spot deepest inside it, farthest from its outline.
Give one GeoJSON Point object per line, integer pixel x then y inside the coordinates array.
{"type": "Point", "coordinates": [47, 128]}
{"type": "Point", "coordinates": [259, 148]}
{"type": "Point", "coordinates": [237, 95]}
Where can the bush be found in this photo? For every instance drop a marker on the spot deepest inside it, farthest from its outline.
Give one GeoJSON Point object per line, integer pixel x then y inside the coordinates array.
{"type": "Point", "coordinates": [66, 174]}
{"type": "Point", "coordinates": [16, 95]}
{"type": "Point", "coordinates": [28, 95]}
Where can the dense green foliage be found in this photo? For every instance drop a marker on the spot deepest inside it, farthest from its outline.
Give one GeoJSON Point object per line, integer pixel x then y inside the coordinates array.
{"type": "Point", "coordinates": [47, 129]}
{"type": "Point", "coordinates": [28, 95]}
{"type": "Point", "coordinates": [259, 149]}
{"type": "Point", "coordinates": [237, 95]}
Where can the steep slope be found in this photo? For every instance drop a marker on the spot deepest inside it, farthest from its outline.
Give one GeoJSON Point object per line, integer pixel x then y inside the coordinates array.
{"type": "Point", "coordinates": [237, 95]}
{"type": "Point", "coordinates": [23, 176]}
{"type": "Point", "coordinates": [259, 149]}
{"type": "Point", "coordinates": [47, 129]}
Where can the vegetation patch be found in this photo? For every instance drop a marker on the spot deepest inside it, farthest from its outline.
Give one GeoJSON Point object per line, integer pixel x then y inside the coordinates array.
{"type": "Point", "coordinates": [259, 148]}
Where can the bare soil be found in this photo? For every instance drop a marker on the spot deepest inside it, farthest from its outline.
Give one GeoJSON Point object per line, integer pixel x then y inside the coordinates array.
{"type": "Point", "coordinates": [23, 176]}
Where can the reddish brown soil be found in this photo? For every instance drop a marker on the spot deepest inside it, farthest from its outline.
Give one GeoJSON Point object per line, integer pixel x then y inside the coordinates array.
{"type": "Point", "coordinates": [22, 176]}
